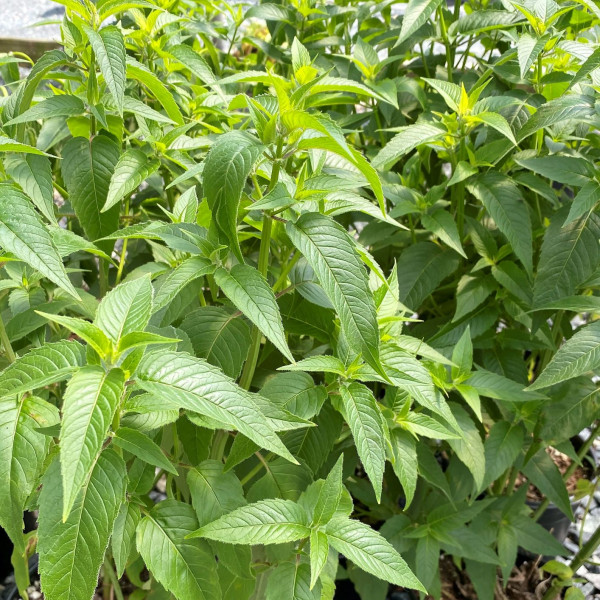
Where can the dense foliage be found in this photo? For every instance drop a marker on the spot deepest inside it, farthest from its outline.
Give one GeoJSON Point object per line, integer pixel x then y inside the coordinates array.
{"type": "Point", "coordinates": [326, 271]}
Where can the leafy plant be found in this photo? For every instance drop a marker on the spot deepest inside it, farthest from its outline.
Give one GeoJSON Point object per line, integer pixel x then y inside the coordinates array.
{"type": "Point", "coordinates": [330, 289]}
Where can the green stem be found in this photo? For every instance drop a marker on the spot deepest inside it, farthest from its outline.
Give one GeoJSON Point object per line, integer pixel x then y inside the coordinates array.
{"type": "Point", "coordinates": [109, 573]}
{"type": "Point", "coordinates": [103, 272]}
{"type": "Point", "coordinates": [219, 443]}
{"type": "Point", "coordinates": [282, 279]}
{"type": "Point", "coordinates": [123, 251]}
{"type": "Point", "coordinates": [8, 349]}
{"type": "Point", "coordinates": [256, 336]}
{"type": "Point", "coordinates": [449, 55]}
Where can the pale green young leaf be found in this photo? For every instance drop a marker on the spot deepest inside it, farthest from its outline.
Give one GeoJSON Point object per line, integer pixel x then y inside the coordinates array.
{"type": "Point", "coordinates": [23, 233]}
{"type": "Point", "coordinates": [122, 541]}
{"type": "Point", "coordinates": [71, 552]}
{"type": "Point", "coordinates": [138, 339]}
{"type": "Point", "coordinates": [186, 568]}
{"type": "Point", "coordinates": [130, 171]}
{"type": "Point", "coordinates": [34, 174]}
{"type": "Point", "coordinates": [333, 256]}
{"type": "Point", "coordinates": [109, 46]}
{"type": "Point", "coordinates": [125, 309]}
{"type": "Point", "coordinates": [87, 331]}
{"type": "Point", "coordinates": [366, 423]}
{"type": "Point", "coordinates": [23, 451]}
{"type": "Point", "coordinates": [140, 445]}
{"type": "Point", "coordinates": [227, 165]}
{"type": "Point", "coordinates": [250, 293]}
{"type": "Point", "coordinates": [193, 384]}
{"type": "Point", "coordinates": [89, 404]}
{"type": "Point", "coordinates": [370, 551]}
{"type": "Point", "coordinates": [42, 366]}
{"type": "Point", "coordinates": [265, 522]}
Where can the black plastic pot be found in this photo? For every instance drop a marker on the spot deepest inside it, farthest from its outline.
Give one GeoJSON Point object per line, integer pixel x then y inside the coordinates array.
{"type": "Point", "coordinates": [554, 520]}
{"type": "Point", "coordinates": [11, 592]}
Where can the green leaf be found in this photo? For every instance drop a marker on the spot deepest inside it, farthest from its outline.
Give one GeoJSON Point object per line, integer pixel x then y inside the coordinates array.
{"type": "Point", "coordinates": [404, 462]}
{"type": "Point", "coordinates": [253, 296]}
{"type": "Point", "coordinates": [125, 309]}
{"type": "Point", "coordinates": [55, 106]}
{"type": "Point", "coordinates": [226, 168]}
{"type": "Point", "coordinates": [122, 541]}
{"type": "Point", "coordinates": [441, 223]}
{"type": "Point", "coordinates": [87, 168]}
{"type": "Point", "coordinates": [499, 387]}
{"type": "Point", "coordinates": [8, 145]}
{"type": "Point", "coordinates": [585, 200]}
{"type": "Point", "coordinates": [214, 492]}
{"type": "Point", "coordinates": [109, 46]}
{"type": "Point", "coordinates": [87, 331]}
{"type": "Point", "coordinates": [408, 139]}
{"type": "Point", "coordinates": [219, 336]}
{"type": "Point", "coordinates": [544, 474]}
{"type": "Point", "coordinates": [370, 551]}
{"type": "Point", "coordinates": [193, 384]}
{"type": "Point", "coordinates": [480, 21]}
{"type": "Point", "coordinates": [569, 170]}
{"type": "Point", "coordinates": [184, 567]}
{"type": "Point", "coordinates": [330, 494]}
{"type": "Point", "coordinates": [296, 393]}
{"type": "Point", "coordinates": [319, 551]}
{"type": "Point", "coordinates": [42, 366]}
{"type": "Point", "coordinates": [502, 446]}
{"type": "Point", "coordinates": [578, 355]}
{"type": "Point", "coordinates": [141, 73]}
{"type": "Point", "coordinates": [132, 169]}
{"type": "Point", "coordinates": [503, 201]}
{"type": "Point", "coordinates": [290, 580]}
{"type": "Point", "coordinates": [177, 279]}
{"type": "Point", "coordinates": [143, 447]}
{"type": "Point", "coordinates": [23, 452]}
{"type": "Point", "coordinates": [265, 522]}
{"type": "Point", "coordinates": [591, 64]}
{"type": "Point", "coordinates": [325, 364]}
{"type": "Point", "coordinates": [34, 174]}
{"type": "Point", "coordinates": [421, 267]}
{"type": "Point", "coordinates": [528, 49]}
{"type": "Point", "coordinates": [462, 356]}
{"type": "Point", "coordinates": [533, 537]}
{"type": "Point", "coordinates": [499, 123]}
{"type": "Point", "coordinates": [91, 399]}
{"type": "Point", "coordinates": [194, 62]}
{"type": "Point", "coordinates": [366, 423]}
{"type": "Point", "coordinates": [333, 256]}
{"type": "Point", "coordinates": [138, 339]}
{"type": "Point", "coordinates": [416, 15]}
{"type": "Point", "coordinates": [71, 552]}
{"type": "Point", "coordinates": [23, 233]}
{"type": "Point", "coordinates": [139, 109]}
{"type": "Point", "coordinates": [569, 255]}
{"type": "Point", "coordinates": [469, 448]}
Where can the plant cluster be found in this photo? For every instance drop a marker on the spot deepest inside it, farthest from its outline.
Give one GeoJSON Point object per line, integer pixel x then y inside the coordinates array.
{"type": "Point", "coordinates": [324, 271]}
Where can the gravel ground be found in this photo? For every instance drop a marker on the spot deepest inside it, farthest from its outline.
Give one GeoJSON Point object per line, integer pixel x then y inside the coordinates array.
{"type": "Point", "coordinates": [18, 16]}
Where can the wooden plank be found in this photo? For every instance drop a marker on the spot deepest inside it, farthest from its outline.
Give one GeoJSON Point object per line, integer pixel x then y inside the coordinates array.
{"type": "Point", "coordinates": [33, 48]}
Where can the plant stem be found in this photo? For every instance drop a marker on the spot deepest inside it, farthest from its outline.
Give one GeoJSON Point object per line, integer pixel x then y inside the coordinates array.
{"type": "Point", "coordinates": [580, 558]}
{"type": "Point", "coordinates": [285, 272]}
{"type": "Point", "coordinates": [103, 273]}
{"type": "Point", "coordinates": [449, 55]}
{"type": "Point", "coordinates": [112, 577]}
{"type": "Point", "coordinates": [123, 251]}
{"type": "Point", "coordinates": [8, 349]}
